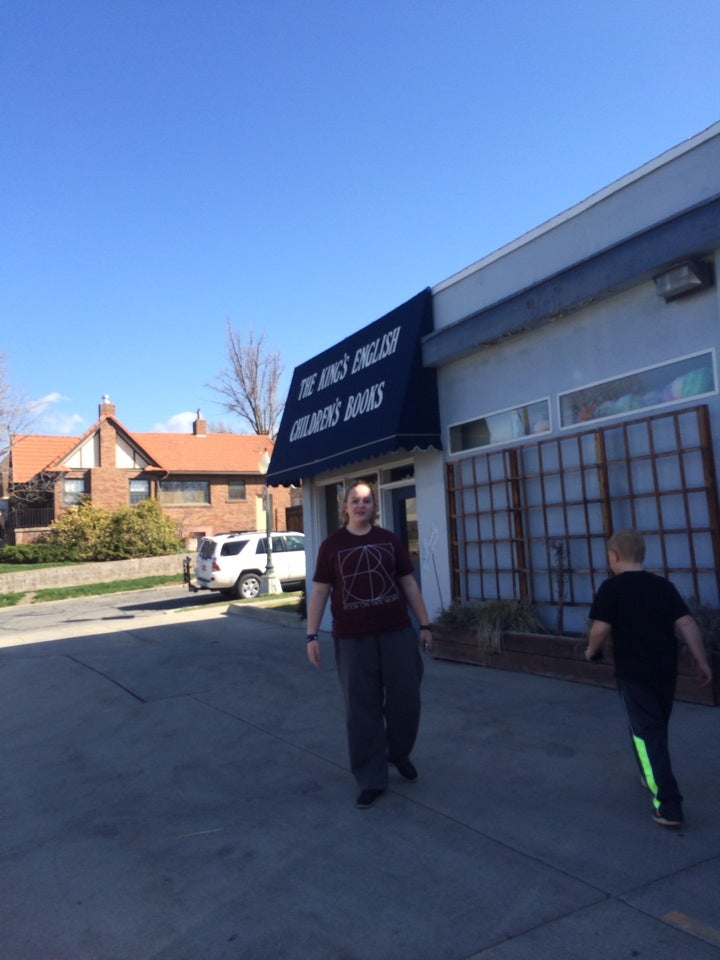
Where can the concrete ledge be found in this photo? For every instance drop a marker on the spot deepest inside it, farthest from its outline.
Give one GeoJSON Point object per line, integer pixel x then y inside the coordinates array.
{"type": "Point", "coordinates": [80, 573]}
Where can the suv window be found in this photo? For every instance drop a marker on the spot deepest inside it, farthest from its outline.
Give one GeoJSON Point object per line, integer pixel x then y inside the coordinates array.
{"type": "Point", "coordinates": [207, 549]}
{"type": "Point", "coordinates": [278, 545]}
{"type": "Point", "coordinates": [295, 541]}
{"type": "Point", "coordinates": [232, 548]}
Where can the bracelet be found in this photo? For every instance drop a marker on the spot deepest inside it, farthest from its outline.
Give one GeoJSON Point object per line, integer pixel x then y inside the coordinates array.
{"type": "Point", "coordinates": [424, 626]}
{"type": "Point", "coordinates": [312, 636]}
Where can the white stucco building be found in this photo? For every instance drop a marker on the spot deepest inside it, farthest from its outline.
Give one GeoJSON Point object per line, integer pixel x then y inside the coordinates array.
{"type": "Point", "coordinates": [562, 387]}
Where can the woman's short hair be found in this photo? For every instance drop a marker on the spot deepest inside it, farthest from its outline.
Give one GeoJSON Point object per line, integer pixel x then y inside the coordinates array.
{"type": "Point", "coordinates": [344, 516]}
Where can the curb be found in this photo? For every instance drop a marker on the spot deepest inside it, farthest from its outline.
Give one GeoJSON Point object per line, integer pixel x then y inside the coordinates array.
{"type": "Point", "coordinates": [281, 618]}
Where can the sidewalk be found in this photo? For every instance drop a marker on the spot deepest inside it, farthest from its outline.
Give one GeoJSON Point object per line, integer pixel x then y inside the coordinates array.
{"type": "Point", "coordinates": [177, 789]}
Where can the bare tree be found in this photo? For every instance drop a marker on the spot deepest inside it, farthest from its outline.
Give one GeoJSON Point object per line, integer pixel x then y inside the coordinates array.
{"type": "Point", "coordinates": [219, 426]}
{"type": "Point", "coordinates": [249, 386]}
{"type": "Point", "coordinates": [16, 414]}
{"type": "Point", "coordinates": [34, 492]}
{"type": "Point", "coordinates": [15, 410]}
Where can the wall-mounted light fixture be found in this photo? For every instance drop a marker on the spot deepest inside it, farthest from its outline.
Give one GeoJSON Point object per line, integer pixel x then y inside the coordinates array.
{"type": "Point", "coordinates": [686, 277]}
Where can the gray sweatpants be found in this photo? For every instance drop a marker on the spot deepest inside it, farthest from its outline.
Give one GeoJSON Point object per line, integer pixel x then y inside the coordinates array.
{"type": "Point", "coordinates": [380, 677]}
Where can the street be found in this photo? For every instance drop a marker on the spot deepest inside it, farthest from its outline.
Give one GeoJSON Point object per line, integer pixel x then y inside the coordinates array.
{"type": "Point", "coordinates": [62, 618]}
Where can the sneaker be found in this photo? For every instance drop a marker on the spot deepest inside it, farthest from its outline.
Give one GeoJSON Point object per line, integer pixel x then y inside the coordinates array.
{"type": "Point", "coordinates": [667, 821]}
{"type": "Point", "coordinates": [406, 769]}
{"type": "Point", "coordinates": [367, 798]}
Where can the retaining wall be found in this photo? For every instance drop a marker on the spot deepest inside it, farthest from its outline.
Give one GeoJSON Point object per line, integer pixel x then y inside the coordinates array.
{"type": "Point", "coordinates": [80, 573]}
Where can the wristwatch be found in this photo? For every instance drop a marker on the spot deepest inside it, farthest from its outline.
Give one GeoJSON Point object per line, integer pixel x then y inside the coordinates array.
{"type": "Point", "coordinates": [312, 636]}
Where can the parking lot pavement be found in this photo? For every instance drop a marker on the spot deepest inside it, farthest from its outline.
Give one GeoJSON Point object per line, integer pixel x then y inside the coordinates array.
{"type": "Point", "coordinates": [176, 788]}
{"type": "Point", "coordinates": [59, 618]}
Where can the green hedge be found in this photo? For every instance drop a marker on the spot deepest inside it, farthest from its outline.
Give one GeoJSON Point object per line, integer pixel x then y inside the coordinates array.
{"type": "Point", "coordinates": [89, 534]}
{"type": "Point", "coordinates": [26, 553]}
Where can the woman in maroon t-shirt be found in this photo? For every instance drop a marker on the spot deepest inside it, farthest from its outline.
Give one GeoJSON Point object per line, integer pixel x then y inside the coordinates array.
{"type": "Point", "coordinates": [366, 572]}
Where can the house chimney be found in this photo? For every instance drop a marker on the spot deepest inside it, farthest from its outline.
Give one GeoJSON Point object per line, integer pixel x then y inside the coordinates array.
{"type": "Point", "coordinates": [200, 425]}
{"type": "Point", "coordinates": [107, 408]}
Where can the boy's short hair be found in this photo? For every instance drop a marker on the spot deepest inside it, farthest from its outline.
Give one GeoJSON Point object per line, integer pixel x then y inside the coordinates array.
{"type": "Point", "coordinates": [628, 544]}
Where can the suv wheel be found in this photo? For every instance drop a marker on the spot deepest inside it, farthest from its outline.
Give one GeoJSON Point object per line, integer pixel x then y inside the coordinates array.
{"type": "Point", "coordinates": [247, 586]}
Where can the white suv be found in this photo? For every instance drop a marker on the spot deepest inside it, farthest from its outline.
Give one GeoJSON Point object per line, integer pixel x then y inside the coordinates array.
{"type": "Point", "coordinates": [235, 562]}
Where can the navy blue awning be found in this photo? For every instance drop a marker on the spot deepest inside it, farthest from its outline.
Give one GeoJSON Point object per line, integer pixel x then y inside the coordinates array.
{"type": "Point", "coordinates": [366, 396]}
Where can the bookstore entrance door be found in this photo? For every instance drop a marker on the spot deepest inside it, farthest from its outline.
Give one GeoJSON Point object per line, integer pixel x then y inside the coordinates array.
{"type": "Point", "coordinates": [404, 506]}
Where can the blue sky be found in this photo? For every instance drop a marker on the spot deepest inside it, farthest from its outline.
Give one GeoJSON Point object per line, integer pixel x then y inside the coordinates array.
{"type": "Point", "coordinates": [300, 168]}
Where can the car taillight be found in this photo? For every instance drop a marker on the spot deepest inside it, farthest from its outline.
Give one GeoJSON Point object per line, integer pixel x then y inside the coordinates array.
{"type": "Point", "coordinates": [216, 565]}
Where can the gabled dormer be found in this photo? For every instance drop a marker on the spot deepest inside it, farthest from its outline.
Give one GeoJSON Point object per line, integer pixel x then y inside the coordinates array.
{"type": "Point", "coordinates": [118, 450]}
{"type": "Point", "coordinates": [107, 444]}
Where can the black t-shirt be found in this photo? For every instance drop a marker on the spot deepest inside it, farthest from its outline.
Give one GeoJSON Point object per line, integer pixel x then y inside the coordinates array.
{"type": "Point", "coordinates": [364, 571]}
{"type": "Point", "coordinates": [641, 608]}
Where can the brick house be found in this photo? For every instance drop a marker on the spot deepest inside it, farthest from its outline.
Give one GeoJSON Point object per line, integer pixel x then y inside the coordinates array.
{"type": "Point", "coordinates": [206, 482]}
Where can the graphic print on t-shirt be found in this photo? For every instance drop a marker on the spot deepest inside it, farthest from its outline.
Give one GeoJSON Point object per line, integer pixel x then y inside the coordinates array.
{"type": "Point", "coordinates": [367, 575]}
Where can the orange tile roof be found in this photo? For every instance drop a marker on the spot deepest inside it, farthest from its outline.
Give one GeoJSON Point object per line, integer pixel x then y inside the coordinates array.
{"type": "Point", "coordinates": [214, 453]}
{"type": "Point", "coordinates": [32, 453]}
{"type": "Point", "coordinates": [173, 452]}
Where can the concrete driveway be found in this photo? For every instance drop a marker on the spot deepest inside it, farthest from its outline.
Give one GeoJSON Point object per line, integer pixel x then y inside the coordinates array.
{"type": "Point", "coordinates": [174, 786]}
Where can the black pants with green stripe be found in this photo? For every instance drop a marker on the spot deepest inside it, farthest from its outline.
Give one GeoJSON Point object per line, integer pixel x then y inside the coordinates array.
{"type": "Point", "coordinates": [648, 706]}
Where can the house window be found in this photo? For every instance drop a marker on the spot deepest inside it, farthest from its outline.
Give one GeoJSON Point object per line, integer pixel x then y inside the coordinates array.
{"type": "Point", "coordinates": [528, 420]}
{"type": "Point", "coordinates": [692, 376]}
{"type": "Point", "coordinates": [74, 491]}
{"type": "Point", "coordinates": [175, 492]}
{"type": "Point", "coordinates": [139, 491]}
{"type": "Point", "coordinates": [236, 490]}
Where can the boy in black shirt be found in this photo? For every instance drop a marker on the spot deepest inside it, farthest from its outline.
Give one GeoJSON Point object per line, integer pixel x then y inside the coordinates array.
{"type": "Point", "coordinates": [644, 611]}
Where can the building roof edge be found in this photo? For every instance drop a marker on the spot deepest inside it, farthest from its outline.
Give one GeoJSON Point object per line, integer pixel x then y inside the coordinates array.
{"type": "Point", "coordinates": [616, 186]}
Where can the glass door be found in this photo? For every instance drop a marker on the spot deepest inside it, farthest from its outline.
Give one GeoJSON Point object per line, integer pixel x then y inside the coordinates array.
{"type": "Point", "coordinates": [404, 507]}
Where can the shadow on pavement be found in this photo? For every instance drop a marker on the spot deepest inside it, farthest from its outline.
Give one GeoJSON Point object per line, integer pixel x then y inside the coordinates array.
{"type": "Point", "coordinates": [182, 602]}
